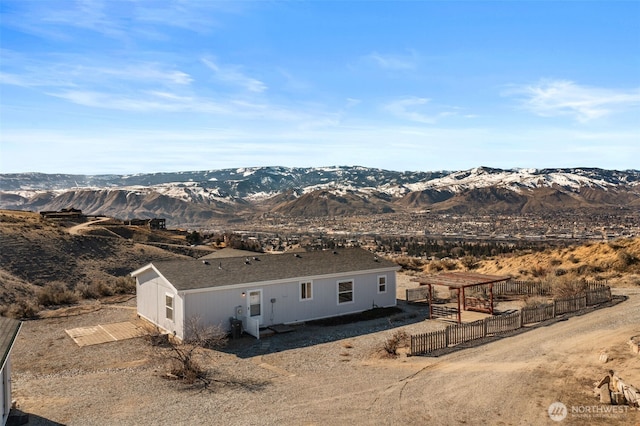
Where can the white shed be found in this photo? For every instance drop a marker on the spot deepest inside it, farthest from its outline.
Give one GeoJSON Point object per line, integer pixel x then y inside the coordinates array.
{"type": "Point", "coordinates": [9, 329]}
{"type": "Point", "coordinates": [264, 290]}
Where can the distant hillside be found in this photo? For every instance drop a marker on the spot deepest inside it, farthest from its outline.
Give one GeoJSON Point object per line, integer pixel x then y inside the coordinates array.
{"type": "Point", "coordinates": [37, 252]}
{"type": "Point", "coordinates": [617, 261]}
{"type": "Point", "coordinates": [196, 198]}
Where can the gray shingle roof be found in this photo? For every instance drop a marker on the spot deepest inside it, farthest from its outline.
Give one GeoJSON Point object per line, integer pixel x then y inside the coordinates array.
{"type": "Point", "coordinates": [8, 331]}
{"type": "Point", "coordinates": [195, 274]}
{"type": "Point", "coordinates": [229, 252]}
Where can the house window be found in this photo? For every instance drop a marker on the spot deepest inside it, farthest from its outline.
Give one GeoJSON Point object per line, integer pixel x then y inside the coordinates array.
{"type": "Point", "coordinates": [168, 302]}
{"type": "Point", "coordinates": [345, 292]}
{"type": "Point", "coordinates": [306, 292]}
{"type": "Point", "coordinates": [382, 284]}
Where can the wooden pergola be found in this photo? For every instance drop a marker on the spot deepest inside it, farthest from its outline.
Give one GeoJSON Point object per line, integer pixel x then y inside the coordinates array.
{"type": "Point", "coordinates": [459, 281]}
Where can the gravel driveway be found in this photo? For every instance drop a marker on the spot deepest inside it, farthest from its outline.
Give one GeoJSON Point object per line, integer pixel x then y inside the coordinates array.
{"type": "Point", "coordinates": [318, 375]}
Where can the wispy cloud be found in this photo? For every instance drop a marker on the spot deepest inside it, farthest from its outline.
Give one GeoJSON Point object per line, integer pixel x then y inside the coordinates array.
{"type": "Point", "coordinates": [232, 74]}
{"type": "Point", "coordinates": [551, 98]}
{"type": "Point", "coordinates": [413, 109]}
{"type": "Point", "coordinates": [394, 62]}
{"type": "Point", "coordinates": [71, 70]}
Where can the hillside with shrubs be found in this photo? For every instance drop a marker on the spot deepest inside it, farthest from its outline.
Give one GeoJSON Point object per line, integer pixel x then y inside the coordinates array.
{"type": "Point", "coordinates": [42, 264]}
{"type": "Point", "coordinates": [616, 261]}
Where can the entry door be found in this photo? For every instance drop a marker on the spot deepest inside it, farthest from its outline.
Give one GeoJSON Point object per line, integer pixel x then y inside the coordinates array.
{"type": "Point", "coordinates": [254, 308]}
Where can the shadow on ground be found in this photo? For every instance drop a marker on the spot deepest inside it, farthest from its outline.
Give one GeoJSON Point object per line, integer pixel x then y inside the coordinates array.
{"type": "Point", "coordinates": [18, 417]}
{"type": "Point", "coordinates": [323, 331]}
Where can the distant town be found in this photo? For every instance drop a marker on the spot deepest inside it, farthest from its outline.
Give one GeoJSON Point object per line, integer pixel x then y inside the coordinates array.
{"type": "Point", "coordinates": [276, 232]}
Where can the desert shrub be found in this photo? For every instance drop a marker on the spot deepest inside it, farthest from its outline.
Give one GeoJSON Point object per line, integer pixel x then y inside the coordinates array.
{"type": "Point", "coordinates": [125, 285]}
{"type": "Point", "coordinates": [409, 263]}
{"type": "Point", "coordinates": [555, 262]}
{"type": "Point", "coordinates": [573, 259]}
{"type": "Point", "coordinates": [538, 271]}
{"type": "Point", "coordinates": [435, 266]}
{"type": "Point", "coordinates": [534, 301]}
{"type": "Point", "coordinates": [397, 340]}
{"type": "Point", "coordinates": [56, 293]}
{"type": "Point", "coordinates": [440, 265]}
{"type": "Point", "coordinates": [469, 262]}
{"type": "Point", "coordinates": [614, 245]}
{"type": "Point", "coordinates": [22, 308]}
{"type": "Point", "coordinates": [98, 289]}
{"type": "Point", "coordinates": [568, 288]}
{"type": "Point", "coordinates": [624, 260]}
{"type": "Point", "coordinates": [588, 269]}
{"type": "Point", "coordinates": [559, 272]}
{"type": "Point", "coordinates": [86, 292]}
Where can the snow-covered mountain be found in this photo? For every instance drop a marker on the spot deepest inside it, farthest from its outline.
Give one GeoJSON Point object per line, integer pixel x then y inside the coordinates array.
{"type": "Point", "coordinates": [185, 197]}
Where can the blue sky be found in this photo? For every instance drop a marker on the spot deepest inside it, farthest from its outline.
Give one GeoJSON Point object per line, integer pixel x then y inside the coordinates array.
{"type": "Point", "coordinates": [132, 86]}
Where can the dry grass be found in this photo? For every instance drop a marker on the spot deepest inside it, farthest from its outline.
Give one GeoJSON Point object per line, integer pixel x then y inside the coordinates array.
{"type": "Point", "coordinates": [618, 262]}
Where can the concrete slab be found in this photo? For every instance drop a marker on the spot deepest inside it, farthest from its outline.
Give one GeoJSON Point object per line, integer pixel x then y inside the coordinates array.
{"type": "Point", "coordinates": [94, 335]}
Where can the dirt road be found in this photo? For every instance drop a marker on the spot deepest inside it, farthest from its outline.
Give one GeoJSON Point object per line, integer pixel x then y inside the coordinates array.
{"type": "Point", "coordinates": [77, 229]}
{"type": "Point", "coordinates": [344, 381]}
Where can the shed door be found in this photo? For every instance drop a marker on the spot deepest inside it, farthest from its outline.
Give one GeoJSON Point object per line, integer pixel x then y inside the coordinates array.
{"type": "Point", "coordinates": [254, 309]}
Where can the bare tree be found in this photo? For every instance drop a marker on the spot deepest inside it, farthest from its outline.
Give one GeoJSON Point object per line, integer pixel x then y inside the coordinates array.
{"type": "Point", "coordinates": [187, 358]}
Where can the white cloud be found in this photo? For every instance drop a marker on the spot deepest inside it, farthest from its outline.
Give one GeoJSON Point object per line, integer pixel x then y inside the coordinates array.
{"type": "Point", "coordinates": [412, 109]}
{"type": "Point", "coordinates": [550, 98]}
{"type": "Point", "coordinates": [393, 62]}
{"type": "Point", "coordinates": [231, 74]}
{"type": "Point", "coordinates": [351, 102]}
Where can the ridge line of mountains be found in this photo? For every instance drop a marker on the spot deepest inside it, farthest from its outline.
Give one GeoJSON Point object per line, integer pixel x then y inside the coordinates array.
{"type": "Point", "coordinates": [248, 193]}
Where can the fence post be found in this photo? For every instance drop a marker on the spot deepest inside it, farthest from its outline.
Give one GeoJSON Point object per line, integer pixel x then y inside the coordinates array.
{"type": "Point", "coordinates": [553, 310]}
{"type": "Point", "coordinates": [521, 319]}
{"type": "Point", "coordinates": [446, 337]}
{"type": "Point", "coordinates": [485, 324]}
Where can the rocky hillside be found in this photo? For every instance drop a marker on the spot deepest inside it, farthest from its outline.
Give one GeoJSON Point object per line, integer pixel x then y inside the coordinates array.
{"type": "Point", "coordinates": [196, 198]}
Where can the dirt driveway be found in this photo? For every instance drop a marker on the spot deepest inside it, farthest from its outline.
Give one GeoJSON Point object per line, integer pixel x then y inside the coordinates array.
{"type": "Point", "coordinates": [342, 380]}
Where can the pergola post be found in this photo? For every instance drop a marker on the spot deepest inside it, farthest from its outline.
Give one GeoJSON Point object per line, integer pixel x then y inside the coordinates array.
{"type": "Point", "coordinates": [491, 298]}
{"type": "Point", "coordinates": [464, 300]}
{"type": "Point", "coordinates": [430, 302]}
{"type": "Point", "coordinates": [459, 314]}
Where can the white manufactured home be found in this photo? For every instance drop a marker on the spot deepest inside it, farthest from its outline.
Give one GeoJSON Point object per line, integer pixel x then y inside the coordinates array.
{"type": "Point", "coordinates": [9, 329]}
{"type": "Point", "coordinates": [263, 290]}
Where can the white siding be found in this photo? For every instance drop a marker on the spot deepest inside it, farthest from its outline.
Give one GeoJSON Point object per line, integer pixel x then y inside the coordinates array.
{"type": "Point", "coordinates": [151, 290]}
{"type": "Point", "coordinates": [282, 304]}
{"type": "Point", "coordinates": [5, 390]}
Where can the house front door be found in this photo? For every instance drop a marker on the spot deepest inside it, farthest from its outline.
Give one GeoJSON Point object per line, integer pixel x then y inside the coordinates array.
{"type": "Point", "coordinates": [254, 308]}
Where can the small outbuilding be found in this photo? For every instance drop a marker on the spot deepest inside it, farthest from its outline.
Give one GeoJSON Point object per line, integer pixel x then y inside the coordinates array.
{"type": "Point", "coordinates": [9, 329]}
{"type": "Point", "coordinates": [263, 290]}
